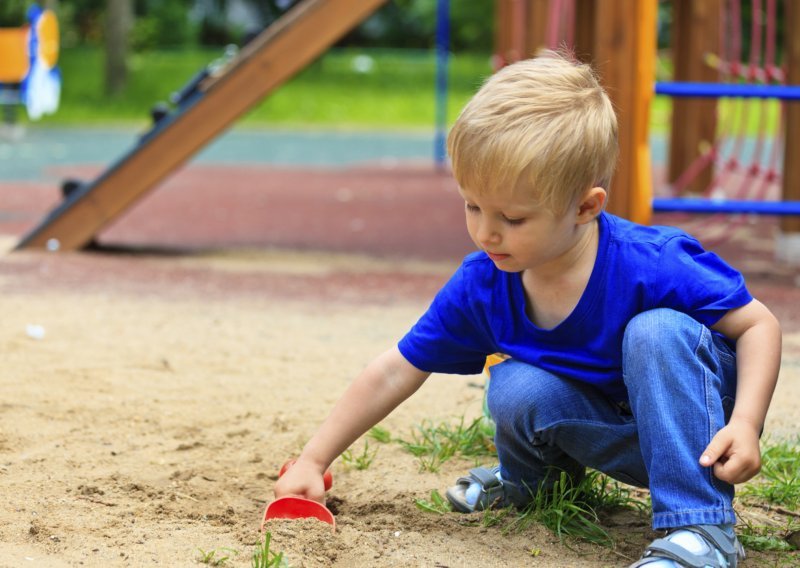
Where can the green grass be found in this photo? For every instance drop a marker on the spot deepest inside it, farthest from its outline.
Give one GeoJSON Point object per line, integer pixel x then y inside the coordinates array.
{"type": "Point", "coordinates": [362, 460]}
{"type": "Point", "coordinates": [380, 434]}
{"type": "Point", "coordinates": [265, 557]}
{"type": "Point", "coordinates": [217, 556]}
{"type": "Point", "coordinates": [435, 444]}
{"type": "Point", "coordinates": [569, 509]}
{"type": "Point", "coordinates": [572, 510]}
{"type": "Point", "coordinates": [779, 481]}
{"type": "Point", "coordinates": [767, 538]}
{"type": "Point", "coordinates": [437, 504]}
{"type": "Point", "coordinates": [399, 90]}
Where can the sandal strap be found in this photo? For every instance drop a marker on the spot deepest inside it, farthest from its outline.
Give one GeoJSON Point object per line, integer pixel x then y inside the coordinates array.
{"type": "Point", "coordinates": [728, 545]}
{"type": "Point", "coordinates": [490, 485]}
{"type": "Point", "coordinates": [663, 548]}
{"type": "Point", "coordinates": [718, 540]}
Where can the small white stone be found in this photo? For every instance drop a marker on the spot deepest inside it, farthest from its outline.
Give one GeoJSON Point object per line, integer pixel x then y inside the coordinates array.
{"type": "Point", "coordinates": [35, 331]}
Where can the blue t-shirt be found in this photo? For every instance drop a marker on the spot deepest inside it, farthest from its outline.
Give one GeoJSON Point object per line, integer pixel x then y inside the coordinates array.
{"type": "Point", "coordinates": [481, 310]}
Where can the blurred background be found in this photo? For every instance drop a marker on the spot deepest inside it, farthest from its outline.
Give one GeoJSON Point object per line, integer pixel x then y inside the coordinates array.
{"type": "Point", "coordinates": [119, 57]}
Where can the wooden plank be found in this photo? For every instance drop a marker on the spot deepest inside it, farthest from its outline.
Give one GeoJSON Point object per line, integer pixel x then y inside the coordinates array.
{"type": "Point", "coordinates": [536, 37]}
{"type": "Point", "coordinates": [272, 58]}
{"type": "Point", "coordinates": [791, 149]}
{"type": "Point", "coordinates": [585, 18]}
{"type": "Point", "coordinates": [618, 38]}
{"type": "Point", "coordinates": [695, 35]}
{"type": "Point", "coordinates": [519, 21]}
{"type": "Point", "coordinates": [502, 33]}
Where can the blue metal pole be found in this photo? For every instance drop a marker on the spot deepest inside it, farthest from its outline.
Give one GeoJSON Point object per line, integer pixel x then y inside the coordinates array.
{"type": "Point", "coordinates": [698, 205]}
{"type": "Point", "coordinates": [442, 54]}
{"type": "Point", "coordinates": [717, 90]}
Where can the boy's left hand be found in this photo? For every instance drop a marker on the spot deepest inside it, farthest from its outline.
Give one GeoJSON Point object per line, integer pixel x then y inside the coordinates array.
{"type": "Point", "coordinates": [734, 453]}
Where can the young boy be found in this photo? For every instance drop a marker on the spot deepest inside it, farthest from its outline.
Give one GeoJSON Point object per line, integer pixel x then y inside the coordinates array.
{"type": "Point", "coordinates": [631, 350]}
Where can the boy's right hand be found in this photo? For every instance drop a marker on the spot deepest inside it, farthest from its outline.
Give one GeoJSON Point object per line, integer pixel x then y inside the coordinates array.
{"type": "Point", "coordinates": [302, 479]}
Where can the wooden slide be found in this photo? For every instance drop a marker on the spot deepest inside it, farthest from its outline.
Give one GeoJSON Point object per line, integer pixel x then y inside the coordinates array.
{"type": "Point", "coordinates": [217, 100]}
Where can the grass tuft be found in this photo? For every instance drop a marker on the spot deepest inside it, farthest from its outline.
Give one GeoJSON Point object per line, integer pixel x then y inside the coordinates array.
{"type": "Point", "coordinates": [265, 557]}
{"type": "Point", "coordinates": [435, 444]}
{"type": "Point", "coordinates": [569, 510]}
{"type": "Point", "coordinates": [210, 557]}
{"type": "Point", "coordinates": [766, 538]}
{"type": "Point", "coordinates": [437, 504]}
{"type": "Point", "coordinates": [779, 482]}
{"type": "Point", "coordinates": [380, 434]}
{"type": "Point", "coordinates": [360, 461]}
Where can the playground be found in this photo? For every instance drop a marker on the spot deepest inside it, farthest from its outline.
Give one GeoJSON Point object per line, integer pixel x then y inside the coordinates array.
{"type": "Point", "coordinates": [155, 381]}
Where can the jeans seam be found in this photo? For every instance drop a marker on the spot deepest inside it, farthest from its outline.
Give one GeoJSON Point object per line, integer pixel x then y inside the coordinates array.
{"type": "Point", "coordinates": [709, 471]}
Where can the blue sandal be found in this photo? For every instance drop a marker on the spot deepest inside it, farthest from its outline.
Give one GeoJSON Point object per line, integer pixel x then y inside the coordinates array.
{"type": "Point", "coordinates": [724, 549]}
{"type": "Point", "coordinates": [483, 489]}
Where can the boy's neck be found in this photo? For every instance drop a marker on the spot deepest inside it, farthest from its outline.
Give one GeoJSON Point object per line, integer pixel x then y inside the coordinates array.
{"type": "Point", "coordinates": [552, 294]}
{"type": "Point", "coordinates": [575, 260]}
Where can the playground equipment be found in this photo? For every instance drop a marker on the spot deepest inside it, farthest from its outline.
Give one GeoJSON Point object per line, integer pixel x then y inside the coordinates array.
{"type": "Point", "coordinates": [616, 36]}
{"type": "Point", "coordinates": [736, 116]}
{"type": "Point", "coordinates": [28, 72]}
{"type": "Point", "coordinates": [208, 105]}
{"type": "Point", "coordinates": [715, 165]}
{"type": "Point", "coordinates": [619, 39]}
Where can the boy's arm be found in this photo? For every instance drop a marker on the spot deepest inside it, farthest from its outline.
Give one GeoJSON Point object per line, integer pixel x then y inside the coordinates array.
{"type": "Point", "coordinates": [380, 388]}
{"type": "Point", "coordinates": [734, 451]}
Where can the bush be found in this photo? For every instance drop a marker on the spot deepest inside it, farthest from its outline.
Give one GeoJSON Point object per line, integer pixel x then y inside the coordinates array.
{"type": "Point", "coordinates": [13, 13]}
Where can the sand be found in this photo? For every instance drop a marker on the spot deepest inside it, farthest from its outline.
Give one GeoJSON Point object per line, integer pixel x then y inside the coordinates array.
{"type": "Point", "coordinates": [149, 401]}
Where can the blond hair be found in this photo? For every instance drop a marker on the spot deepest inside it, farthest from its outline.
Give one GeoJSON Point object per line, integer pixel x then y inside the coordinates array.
{"type": "Point", "coordinates": [545, 123]}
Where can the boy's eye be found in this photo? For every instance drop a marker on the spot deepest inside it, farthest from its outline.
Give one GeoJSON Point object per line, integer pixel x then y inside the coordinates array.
{"type": "Point", "coordinates": [472, 208]}
{"type": "Point", "coordinates": [513, 221]}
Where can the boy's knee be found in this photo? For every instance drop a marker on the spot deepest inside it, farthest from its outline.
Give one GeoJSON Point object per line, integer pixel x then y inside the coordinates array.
{"type": "Point", "coordinates": [520, 395]}
{"type": "Point", "coordinates": [656, 327]}
{"type": "Point", "coordinates": [505, 398]}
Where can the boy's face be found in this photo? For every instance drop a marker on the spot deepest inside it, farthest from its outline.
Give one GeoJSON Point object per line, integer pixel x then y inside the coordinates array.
{"type": "Point", "coordinates": [516, 232]}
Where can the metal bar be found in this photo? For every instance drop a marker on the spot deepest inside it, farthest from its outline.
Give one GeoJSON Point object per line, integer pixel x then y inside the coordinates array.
{"type": "Point", "coordinates": [697, 205]}
{"type": "Point", "coordinates": [719, 90]}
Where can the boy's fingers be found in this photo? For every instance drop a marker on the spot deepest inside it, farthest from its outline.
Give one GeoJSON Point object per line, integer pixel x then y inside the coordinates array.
{"type": "Point", "coordinates": [721, 472]}
{"type": "Point", "coordinates": [713, 452]}
{"type": "Point", "coordinates": [709, 457]}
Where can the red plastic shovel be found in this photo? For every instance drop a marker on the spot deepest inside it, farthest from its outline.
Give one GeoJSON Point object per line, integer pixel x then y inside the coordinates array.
{"type": "Point", "coordinates": [292, 507]}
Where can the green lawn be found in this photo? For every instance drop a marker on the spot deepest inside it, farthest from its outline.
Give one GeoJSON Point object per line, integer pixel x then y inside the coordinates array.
{"type": "Point", "coordinates": [398, 91]}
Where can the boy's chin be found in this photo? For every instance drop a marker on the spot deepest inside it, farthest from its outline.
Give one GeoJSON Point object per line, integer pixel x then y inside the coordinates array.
{"type": "Point", "coordinates": [508, 267]}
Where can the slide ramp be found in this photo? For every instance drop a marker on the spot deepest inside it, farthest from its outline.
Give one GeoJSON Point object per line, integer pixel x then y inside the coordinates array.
{"type": "Point", "coordinates": [219, 99]}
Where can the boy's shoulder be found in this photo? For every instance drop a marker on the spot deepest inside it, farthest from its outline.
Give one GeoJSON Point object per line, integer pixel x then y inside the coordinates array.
{"type": "Point", "coordinates": [477, 273]}
{"type": "Point", "coordinates": [625, 231]}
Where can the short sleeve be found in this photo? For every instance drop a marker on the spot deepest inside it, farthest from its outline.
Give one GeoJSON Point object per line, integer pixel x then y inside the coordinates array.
{"type": "Point", "coordinates": [453, 335]}
{"type": "Point", "coordinates": [697, 282]}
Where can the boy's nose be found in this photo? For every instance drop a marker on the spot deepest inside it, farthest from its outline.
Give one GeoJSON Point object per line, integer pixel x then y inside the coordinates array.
{"type": "Point", "coordinates": [487, 234]}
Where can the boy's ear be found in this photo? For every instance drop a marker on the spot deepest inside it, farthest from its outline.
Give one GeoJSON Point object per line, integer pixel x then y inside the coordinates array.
{"type": "Point", "coordinates": [591, 204]}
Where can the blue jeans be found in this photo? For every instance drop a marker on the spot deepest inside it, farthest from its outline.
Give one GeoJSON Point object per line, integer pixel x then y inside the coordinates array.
{"type": "Point", "coordinates": [681, 381]}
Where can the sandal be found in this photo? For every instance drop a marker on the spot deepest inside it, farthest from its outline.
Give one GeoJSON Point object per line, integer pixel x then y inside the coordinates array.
{"type": "Point", "coordinates": [483, 489]}
{"type": "Point", "coordinates": [723, 549]}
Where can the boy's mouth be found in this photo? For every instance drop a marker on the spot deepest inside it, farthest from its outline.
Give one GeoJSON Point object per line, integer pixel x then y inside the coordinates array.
{"type": "Point", "coordinates": [497, 257]}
